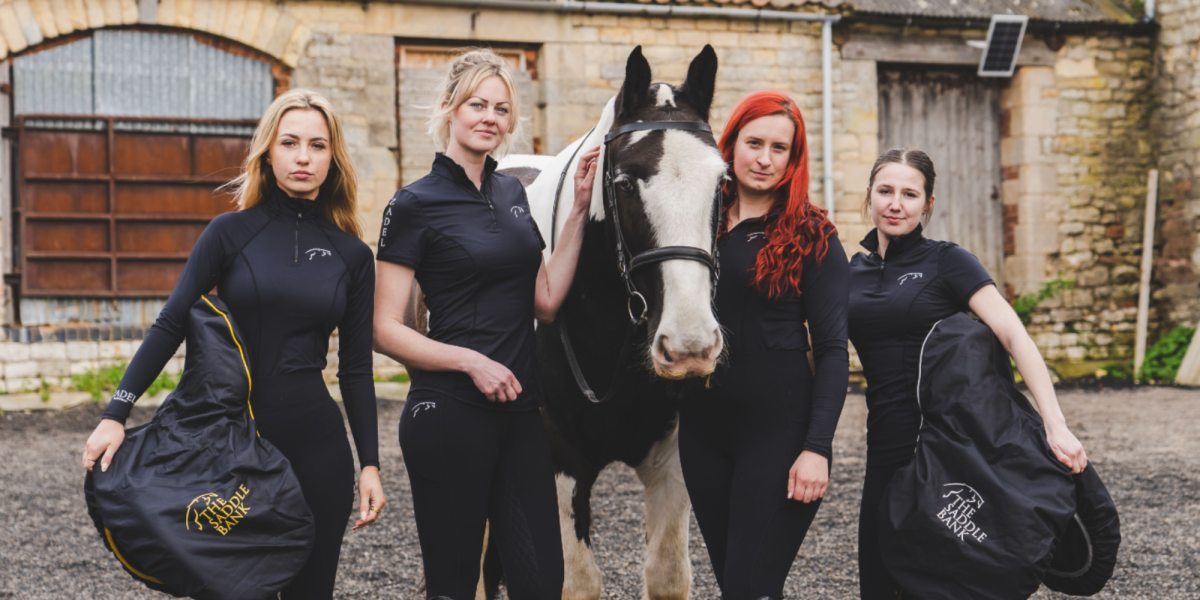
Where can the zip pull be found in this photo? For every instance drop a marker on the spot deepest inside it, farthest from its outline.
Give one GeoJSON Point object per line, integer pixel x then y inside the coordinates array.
{"type": "Point", "coordinates": [491, 207]}
{"type": "Point", "coordinates": [296, 258]}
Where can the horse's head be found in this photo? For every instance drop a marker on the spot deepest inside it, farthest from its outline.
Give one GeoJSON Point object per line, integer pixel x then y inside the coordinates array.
{"type": "Point", "coordinates": [663, 187]}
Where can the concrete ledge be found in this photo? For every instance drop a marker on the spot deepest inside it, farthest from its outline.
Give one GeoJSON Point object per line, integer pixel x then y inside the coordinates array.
{"type": "Point", "coordinates": [33, 401]}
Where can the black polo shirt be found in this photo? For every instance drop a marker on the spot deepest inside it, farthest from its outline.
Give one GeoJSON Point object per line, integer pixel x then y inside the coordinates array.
{"type": "Point", "coordinates": [893, 304]}
{"type": "Point", "coordinates": [476, 254]}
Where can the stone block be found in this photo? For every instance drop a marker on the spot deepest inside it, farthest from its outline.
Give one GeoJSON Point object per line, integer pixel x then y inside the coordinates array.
{"type": "Point", "coordinates": [266, 27]}
{"type": "Point", "coordinates": [43, 15]}
{"type": "Point", "coordinates": [1038, 179]}
{"type": "Point", "coordinates": [77, 351]}
{"type": "Point", "coordinates": [693, 38]}
{"type": "Point", "coordinates": [78, 14]}
{"type": "Point", "coordinates": [13, 352]}
{"type": "Point", "coordinates": [10, 27]}
{"type": "Point", "coordinates": [250, 22]}
{"type": "Point", "coordinates": [129, 12]}
{"type": "Point", "coordinates": [724, 39]}
{"type": "Point", "coordinates": [1019, 150]}
{"type": "Point", "coordinates": [24, 369]}
{"type": "Point", "coordinates": [95, 13]}
{"type": "Point", "coordinates": [48, 351]}
{"type": "Point", "coordinates": [1025, 272]}
{"type": "Point", "coordinates": [235, 15]}
{"type": "Point", "coordinates": [1033, 120]}
{"type": "Point", "coordinates": [1036, 238]}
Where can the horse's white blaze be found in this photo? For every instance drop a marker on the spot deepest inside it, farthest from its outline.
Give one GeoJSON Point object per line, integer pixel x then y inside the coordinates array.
{"type": "Point", "coordinates": [668, 567]}
{"type": "Point", "coordinates": [581, 575]}
{"type": "Point", "coordinates": [664, 95]}
{"type": "Point", "coordinates": [678, 201]}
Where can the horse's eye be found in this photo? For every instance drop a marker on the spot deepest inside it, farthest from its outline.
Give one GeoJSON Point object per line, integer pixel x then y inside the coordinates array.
{"type": "Point", "coordinates": [625, 184]}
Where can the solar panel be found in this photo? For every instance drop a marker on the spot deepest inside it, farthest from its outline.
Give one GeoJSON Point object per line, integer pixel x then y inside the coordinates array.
{"type": "Point", "coordinates": [1003, 45]}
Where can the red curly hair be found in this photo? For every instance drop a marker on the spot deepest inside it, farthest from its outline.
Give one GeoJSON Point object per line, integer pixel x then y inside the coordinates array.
{"type": "Point", "coordinates": [800, 228]}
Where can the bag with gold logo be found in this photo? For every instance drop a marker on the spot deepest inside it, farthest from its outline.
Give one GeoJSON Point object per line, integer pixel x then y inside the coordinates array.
{"type": "Point", "coordinates": [195, 503]}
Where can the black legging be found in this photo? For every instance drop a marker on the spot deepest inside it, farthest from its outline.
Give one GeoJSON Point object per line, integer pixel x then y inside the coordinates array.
{"type": "Point", "coordinates": [468, 466]}
{"type": "Point", "coordinates": [874, 581]}
{"type": "Point", "coordinates": [737, 444]}
{"type": "Point", "coordinates": [296, 414]}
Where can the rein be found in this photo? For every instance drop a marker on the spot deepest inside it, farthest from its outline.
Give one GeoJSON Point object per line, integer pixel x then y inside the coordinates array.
{"type": "Point", "coordinates": [627, 262]}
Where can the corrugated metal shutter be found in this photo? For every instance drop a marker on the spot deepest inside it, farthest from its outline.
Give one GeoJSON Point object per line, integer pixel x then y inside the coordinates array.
{"type": "Point", "coordinates": [955, 118]}
{"type": "Point", "coordinates": [142, 74]}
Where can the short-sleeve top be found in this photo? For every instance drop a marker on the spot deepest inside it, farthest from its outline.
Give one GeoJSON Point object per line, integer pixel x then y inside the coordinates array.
{"type": "Point", "coordinates": [893, 304]}
{"type": "Point", "coordinates": [476, 253]}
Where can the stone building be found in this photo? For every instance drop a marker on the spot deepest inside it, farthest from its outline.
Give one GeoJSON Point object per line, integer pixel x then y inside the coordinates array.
{"type": "Point", "coordinates": [1043, 175]}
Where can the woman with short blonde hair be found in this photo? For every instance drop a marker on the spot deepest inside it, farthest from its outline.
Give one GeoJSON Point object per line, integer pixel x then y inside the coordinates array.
{"type": "Point", "coordinates": [471, 434]}
{"type": "Point", "coordinates": [291, 267]}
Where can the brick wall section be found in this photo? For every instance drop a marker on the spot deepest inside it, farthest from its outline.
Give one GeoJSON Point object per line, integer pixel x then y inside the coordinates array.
{"type": "Point", "coordinates": [1177, 131]}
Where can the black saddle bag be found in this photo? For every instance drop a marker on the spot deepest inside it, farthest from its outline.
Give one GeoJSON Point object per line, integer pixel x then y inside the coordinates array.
{"type": "Point", "coordinates": [194, 502]}
{"type": "Point", "coordinates": [976, 513]}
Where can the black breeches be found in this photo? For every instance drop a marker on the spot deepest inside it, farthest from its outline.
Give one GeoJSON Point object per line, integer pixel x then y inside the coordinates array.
{"type": "Point", "coordinates": [874, 581]}
{"type": "Point", "coordinates": [737, 445]}
{"type": "Point", "coordinates": [470, 466]}
{"type": "Point", "coordinates": [311, 434]}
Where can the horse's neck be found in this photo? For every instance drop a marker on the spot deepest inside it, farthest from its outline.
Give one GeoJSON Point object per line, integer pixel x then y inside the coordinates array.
{"type": "Point", "coordinates": [572, 154]}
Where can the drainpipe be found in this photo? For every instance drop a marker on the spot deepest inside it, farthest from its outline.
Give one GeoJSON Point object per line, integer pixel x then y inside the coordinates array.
{"type": "Point", "coordinates": [666, 10]}
{"type": "Point", "coordinates": [827, 112]}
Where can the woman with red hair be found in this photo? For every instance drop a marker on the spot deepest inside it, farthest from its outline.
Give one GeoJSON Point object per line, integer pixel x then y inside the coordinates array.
{"type": "Point", "coordinates": [755, 443]}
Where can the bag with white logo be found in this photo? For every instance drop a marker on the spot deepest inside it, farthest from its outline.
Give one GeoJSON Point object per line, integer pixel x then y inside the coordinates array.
{"type": "Point", "coordinates": [976, 513]}
{"type": "Point", "coordinates": [194, 502]}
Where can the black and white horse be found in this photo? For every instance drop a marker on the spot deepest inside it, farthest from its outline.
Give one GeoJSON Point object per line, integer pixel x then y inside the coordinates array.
{"type": "Point", "coordinates": [662, 183]}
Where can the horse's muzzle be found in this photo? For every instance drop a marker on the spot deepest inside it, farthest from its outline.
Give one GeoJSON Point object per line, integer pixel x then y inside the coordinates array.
{"type": "Point", "coordinates": [692, 360]}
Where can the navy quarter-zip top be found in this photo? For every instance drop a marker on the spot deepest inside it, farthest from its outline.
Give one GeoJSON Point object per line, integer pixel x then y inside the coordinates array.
{"type": "Point", "coordinates": [289, 278]}
{"type": "Point", "coordinates": [894, 300]}
{"type": "Point", "coordinates": [476, 253]}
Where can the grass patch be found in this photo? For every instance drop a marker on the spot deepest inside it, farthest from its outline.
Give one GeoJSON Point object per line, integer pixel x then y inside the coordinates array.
{"type": "Point", "coordinates": [102, 382]}
{"type": "Point", "coordinates": [400, 377]}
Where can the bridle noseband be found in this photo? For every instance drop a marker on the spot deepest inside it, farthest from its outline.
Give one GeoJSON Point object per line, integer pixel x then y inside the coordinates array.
{"type": "Point", "coordinates": [627, 262]}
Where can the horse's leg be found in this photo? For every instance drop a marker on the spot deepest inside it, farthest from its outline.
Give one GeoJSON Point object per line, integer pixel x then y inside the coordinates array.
{"type": "Point", "coordinates": [668, 567]}
{"type": "Point", "coordinates": [581, 579]}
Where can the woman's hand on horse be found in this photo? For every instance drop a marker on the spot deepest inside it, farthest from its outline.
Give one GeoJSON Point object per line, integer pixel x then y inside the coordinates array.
{"type": "Point", "coordinates": [585, 177]}
{"type": "Point", "coordinates": [809, 477]}
{"type": "Point", "coordinates": [1066, 447]}
{"type": "Point", "coordinates": [103, 444]}
{"type": "Point", "coordinates": [370, 492]}
{"type": "Point", "coordinates": [496, 382]}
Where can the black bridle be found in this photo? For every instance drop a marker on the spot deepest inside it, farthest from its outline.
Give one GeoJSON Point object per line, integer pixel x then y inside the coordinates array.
{"type": "Point", "coordinates": [627, 262]}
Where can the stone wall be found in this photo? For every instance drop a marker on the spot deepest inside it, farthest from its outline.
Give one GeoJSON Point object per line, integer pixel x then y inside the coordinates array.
{"type": "Point", "coordinates": [1084, 128]}
{"type": "Point", "coordinates": [1177, 133]}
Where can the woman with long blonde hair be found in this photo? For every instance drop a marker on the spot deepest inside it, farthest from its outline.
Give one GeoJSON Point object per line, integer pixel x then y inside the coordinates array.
{"type": "Point", "coordinates": [471, 434]}
{"type": "Point", "coordinates": [291, 267]}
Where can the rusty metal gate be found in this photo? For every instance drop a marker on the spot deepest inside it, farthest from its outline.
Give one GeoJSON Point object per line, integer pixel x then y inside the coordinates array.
{"type": "Point", "coordinates": [955, 118]}
{"type": "Point", "coordinates": [105, 211]}
{"type": "Point", "coordinates": [121, 140]}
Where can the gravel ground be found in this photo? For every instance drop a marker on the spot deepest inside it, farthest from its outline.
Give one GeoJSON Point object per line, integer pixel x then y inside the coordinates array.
{"type": "Point", "coordinates": [1143, 441]}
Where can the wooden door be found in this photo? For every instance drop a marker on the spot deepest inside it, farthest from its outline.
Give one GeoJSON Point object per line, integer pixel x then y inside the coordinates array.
{"type": "Point", "coordinates": [107, 208]}
{"type": "Point", "coordinates": [954, 116]}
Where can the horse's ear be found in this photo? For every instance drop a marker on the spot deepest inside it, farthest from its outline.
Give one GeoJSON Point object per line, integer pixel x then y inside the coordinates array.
{"type": "Point", "coordinates": [637, 83]}
{"type": "Point", "coordinates": [701, 81]}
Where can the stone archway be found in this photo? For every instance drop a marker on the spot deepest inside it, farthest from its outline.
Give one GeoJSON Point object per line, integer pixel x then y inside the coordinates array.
{"type": "Point", "coordinates": [259, 25]}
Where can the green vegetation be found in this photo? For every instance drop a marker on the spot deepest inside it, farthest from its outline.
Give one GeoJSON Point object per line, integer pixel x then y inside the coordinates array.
{"type": "Point", "coordinates": [400, 377]}
{"type": "Point", "coordinates": [44, 391]}
{"type": "Point", "coordinates": [1119, 370]}
{"type": "Point", "coordinates": [1164, 357]}
{"type": "Point", "coordinates": [101, 383]}
{"type": "Point", "coordinates": [1025, 304]}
